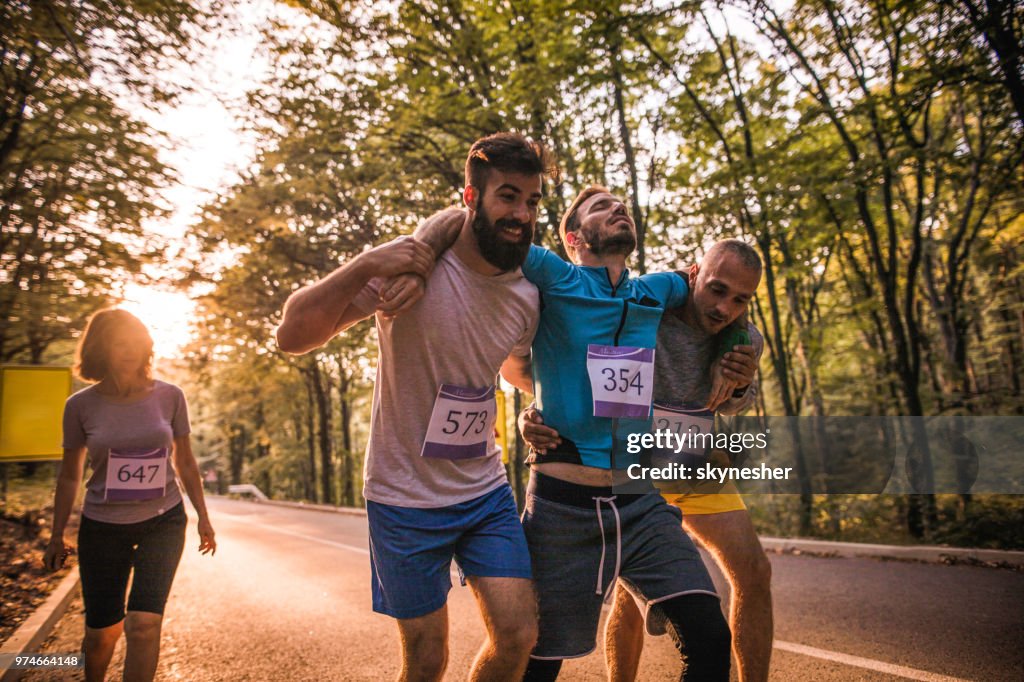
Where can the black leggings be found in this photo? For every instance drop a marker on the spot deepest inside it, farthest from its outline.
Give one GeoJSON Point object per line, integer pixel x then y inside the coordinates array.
{"type": "Point", "coordinates": [107, 553]}
{"type": "Point", "coordinates": [699, 632]}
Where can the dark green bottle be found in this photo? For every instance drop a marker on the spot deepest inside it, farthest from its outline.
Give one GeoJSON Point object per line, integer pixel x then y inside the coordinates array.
{"type": "Point", "coordinates": [733, 335]}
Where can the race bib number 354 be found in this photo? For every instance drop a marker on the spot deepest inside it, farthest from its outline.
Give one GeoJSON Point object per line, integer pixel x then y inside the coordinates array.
{"type": "Point", "coordinates": [622, 380]}
{"type": "Point", "coordinates": [461, 423]}
{"type": "Point", "coordinates": [136, 474]}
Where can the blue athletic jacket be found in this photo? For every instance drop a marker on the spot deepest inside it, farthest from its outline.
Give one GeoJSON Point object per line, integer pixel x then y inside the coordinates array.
{"type": "Point", "coordinates": [580, 306]}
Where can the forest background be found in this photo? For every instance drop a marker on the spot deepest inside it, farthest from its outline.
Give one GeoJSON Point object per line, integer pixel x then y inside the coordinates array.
{"type": "Point", "coordinates": [872, 151]}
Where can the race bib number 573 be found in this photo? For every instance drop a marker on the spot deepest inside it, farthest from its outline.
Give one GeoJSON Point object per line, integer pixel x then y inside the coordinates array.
{"type": "Point", "coordinates": [461, 423]}
{"type": "Point", "coordinates": [136, 474]}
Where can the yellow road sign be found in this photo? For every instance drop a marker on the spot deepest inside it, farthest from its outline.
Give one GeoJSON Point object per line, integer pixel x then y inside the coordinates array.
{"type": "Point", "coordinates": [500, 428]}
{"type": "Point", "coordinates": [31, 410]}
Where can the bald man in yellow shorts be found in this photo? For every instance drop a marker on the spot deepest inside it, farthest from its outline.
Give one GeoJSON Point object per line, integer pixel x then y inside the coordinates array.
{"type": "Point", "coordinates": [721, 288]}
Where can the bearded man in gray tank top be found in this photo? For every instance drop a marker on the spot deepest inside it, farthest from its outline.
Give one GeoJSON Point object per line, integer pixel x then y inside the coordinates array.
{"type": "Point", "coordinates": [434, 482]}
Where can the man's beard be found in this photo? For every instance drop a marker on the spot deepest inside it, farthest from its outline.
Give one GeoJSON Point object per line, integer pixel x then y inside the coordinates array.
{"type": "Point", "coordinates": [496, 250]}
{"type": "Point", "coordinates": [622, 243]}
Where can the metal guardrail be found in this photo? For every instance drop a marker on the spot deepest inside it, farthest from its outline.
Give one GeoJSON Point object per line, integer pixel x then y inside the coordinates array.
{"type": "Point", "coordinates": [247, 489]}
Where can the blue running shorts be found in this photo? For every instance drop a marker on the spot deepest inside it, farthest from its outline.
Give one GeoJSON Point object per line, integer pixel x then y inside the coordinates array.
{"type": "Point", "coordinates": [411, 550]}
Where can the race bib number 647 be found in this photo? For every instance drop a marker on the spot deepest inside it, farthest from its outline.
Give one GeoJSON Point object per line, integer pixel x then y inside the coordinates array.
{"type": "Point", "coordinates": [136, 474]}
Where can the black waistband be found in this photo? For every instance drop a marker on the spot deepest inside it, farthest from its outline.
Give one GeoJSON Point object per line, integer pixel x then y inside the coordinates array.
{"type": "Point", "coordinates": [575, 495]}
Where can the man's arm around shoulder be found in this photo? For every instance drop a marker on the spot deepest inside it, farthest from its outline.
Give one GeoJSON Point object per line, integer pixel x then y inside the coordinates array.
{"type": "Point", "coordinates": [314, 314]}
{"type": "Point", "coordinates": [440, 230]}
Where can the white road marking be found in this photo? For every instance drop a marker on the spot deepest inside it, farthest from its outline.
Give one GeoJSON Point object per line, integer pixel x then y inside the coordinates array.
{"type": "Point", "coordinates": [352, 548]}
{"type": "Point", "coordinates": [792, 647]}
{"type": "Point", "coordinates": [311, 538]}
{"type": "Point", "coordinates": [867, 663]}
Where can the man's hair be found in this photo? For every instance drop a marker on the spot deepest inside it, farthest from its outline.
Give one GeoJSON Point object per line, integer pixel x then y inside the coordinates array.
{"type": "Point", "coordinates": [744, 251]}
{"type": "Point", "coordinates": [508, 153]}
{"type": "Point", "coordinates": [93, 352]}
{"type": "Point", "coordinates": [571, 221]}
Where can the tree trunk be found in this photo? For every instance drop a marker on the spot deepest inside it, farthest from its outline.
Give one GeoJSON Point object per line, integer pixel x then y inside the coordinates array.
{"type": "Point", "coordinates": [348, 495]}
{"type": "Point", "coordinates": [236, 449]}
{"type": "Point", "coordinates": [627, 147]}
{"type": "Point", "coordinates": [323, 399]}
{"type": "Point", "coordinates": [310, 436]}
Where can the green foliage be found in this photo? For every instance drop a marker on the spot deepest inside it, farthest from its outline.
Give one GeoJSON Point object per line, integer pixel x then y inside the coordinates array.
{"type": "Point", "coordinates": [988, 521]}
{"type": "Point", "coordinates": [871, 152]}
{"type": "Point", "coordinates": [78, 175]}
{"type": "Point", "coordinates": [876, 169]}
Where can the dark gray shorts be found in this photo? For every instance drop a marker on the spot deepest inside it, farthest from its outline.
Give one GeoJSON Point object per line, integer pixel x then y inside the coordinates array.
{"type": "Point", "coordinates": [575, 560]}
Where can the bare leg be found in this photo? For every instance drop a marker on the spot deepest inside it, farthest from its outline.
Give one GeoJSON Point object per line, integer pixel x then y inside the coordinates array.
{"type": "Point", "coordinates": [509, 608]}
{"type": "Point", "coordinates": [623, 637]}
{"type": "Point", "coordinates": [424, 646]}
{"type": "Point", "coordinates": [731, 539]}
{"type": "Point", "coordinates": [142, 632]}
{"type": "Point", "coordinates": [98, 648]}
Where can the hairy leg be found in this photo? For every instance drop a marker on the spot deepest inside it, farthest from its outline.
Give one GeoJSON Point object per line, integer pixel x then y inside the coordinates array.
{"type": "Point", "coordinates": [623, 637]}
{"type": "Point", "coordinates": [731, 539]}
{"type": "Point", "coordinates": [424, 646]}
{"type": "Point", "coordinates": [509, 608]}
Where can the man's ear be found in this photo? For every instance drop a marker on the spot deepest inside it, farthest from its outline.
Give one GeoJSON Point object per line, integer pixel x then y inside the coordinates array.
{"type": "Point", "coordinates": [694, 269]}
{"type": "Point", "coordinates": [469, 197]}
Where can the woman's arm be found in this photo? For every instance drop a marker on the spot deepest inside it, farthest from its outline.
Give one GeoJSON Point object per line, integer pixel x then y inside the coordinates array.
{"type": "Point", "coordinates": [68, 480]}
{"type": "Point", "coordinates": [188, 472]}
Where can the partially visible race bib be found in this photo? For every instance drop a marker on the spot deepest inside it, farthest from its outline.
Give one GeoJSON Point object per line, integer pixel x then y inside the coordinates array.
{"type": "Point", "coordinates": [621, 380]}
{"type": "Point", "coordinates": [693, 427]}
{"type": "Point", "coordinates": [136, 474]}
{"type": "Point", "coordinates": [461, 423]}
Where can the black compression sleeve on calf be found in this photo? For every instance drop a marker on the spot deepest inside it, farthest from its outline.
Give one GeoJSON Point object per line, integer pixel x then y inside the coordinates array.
{"type": "Point", "coordinates": [701, 635]}
{"type": "Point", "coordinates": [538, 670]}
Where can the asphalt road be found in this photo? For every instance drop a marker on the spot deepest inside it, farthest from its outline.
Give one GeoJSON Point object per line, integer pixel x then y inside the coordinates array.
{"type": "Point", "coordinates": [287, 598]}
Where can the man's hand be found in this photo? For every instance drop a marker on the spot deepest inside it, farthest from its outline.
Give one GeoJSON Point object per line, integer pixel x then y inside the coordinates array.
{"type": "Point", "coordinates": [536, 435]}
{"type": "Point", "coordinates": [721, 386]}
{"type": "Point", "coordinates": [405, 254]}
{"type": "Point", "coordinates": [401, 293]}
{"type": "Point", "coordinates": [740, 365]}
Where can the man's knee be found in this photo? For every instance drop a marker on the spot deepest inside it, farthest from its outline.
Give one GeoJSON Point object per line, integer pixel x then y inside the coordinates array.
{"type": "Point", "coordinates": [425, 645]}
{"type": "Point", "coordinates": [509, 608]}
{"type": "Point", "coordinates": [754, 577]}
{"type": "Point", "coordinates": [425, 656]}
{"type": "Point", "coordinates": [701, 634]}
{"type": "Point", "coordinates": [707, 638]}
{"type": "Point", "coordinates": [430, 665]}
{"type": "Point", "coordinates": [516, 634]}
{"type": "Point", "coordinates": [718, 636]}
